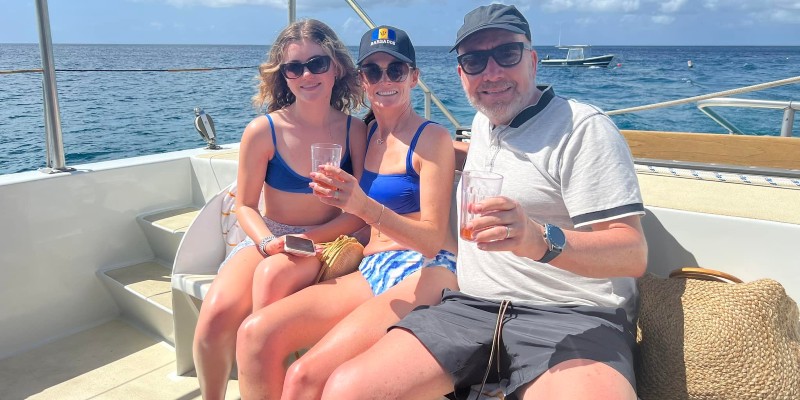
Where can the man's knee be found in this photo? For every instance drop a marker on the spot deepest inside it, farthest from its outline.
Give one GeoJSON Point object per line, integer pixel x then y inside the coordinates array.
{"type": "Point", "coordinates": [346, 382]}
{"type": "Point", "coordinates": [580, 378]}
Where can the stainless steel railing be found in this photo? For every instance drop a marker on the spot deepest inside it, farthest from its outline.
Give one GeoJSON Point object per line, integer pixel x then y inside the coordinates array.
{"type": "Point", "coordinates": [54, 143]}
{"type": "Point", "coordinates": [788, 107]}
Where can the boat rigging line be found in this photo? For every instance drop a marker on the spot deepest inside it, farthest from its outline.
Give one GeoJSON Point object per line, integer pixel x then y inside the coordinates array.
{"type": "Point", "coordinates": [38, 70]}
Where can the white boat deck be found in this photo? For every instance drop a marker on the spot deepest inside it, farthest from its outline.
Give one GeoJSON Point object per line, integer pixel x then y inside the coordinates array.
{"type": "Point", "coordinates": [111, 361]}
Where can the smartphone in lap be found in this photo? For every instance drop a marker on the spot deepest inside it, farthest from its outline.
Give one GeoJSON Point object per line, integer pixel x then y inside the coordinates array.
{"type": "Point", "coordinates": [298, 246]}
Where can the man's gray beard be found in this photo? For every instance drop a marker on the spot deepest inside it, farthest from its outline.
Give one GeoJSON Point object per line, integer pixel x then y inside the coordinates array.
{"type": "Point", "coordinates": [503, 112]}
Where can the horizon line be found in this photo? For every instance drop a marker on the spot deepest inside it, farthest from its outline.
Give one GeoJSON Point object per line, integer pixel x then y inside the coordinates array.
{"type": "Point", "coordinates": [424, 45]}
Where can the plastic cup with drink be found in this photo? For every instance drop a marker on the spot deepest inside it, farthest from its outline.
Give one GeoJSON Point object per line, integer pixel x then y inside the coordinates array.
{"type": "Point", "coordinates": [475, 187]}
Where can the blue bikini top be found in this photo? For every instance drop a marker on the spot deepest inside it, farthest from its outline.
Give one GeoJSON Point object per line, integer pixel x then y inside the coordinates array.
{"type": "Point", "coordinates": [398, 192]}
{"type": "Point", "coordinates": [282, 177]}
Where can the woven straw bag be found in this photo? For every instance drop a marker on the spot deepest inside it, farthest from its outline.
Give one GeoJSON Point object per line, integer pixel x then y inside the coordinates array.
{"type": "Point", "coordinates": [701, 339]}
{"type": "Point", "coordinates": [339, 257]}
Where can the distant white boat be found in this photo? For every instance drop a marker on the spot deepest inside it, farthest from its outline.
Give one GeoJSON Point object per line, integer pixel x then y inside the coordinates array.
{"type": "Point", "coordinates": [576, 57]}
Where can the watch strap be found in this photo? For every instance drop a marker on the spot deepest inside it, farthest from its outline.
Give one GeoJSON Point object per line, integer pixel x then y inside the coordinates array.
{"type": "Point", "coordinates": [553, 249]}
{"type": "Point", "coordinates": [549, 255]}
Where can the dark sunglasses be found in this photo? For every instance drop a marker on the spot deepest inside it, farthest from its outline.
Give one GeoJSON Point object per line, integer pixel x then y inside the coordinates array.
{"type": "Point", "coordinates": [315, 65]}
{"type": "Point", "coordinates": [506, 55]}
{"type": "Point", "coordinates": [396, 72]}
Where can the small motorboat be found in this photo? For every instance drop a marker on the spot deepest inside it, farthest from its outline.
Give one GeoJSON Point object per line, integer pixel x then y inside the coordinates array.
{"type": "Point", "coordinates": [576, 57]}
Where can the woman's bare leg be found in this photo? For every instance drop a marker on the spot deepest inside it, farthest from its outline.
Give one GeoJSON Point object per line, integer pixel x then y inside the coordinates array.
{"type": "Point", "coordinates": [399, 366]}
{"type": "Point", "coordinates": [281, 275]}
{"type": "Point", "coordinates": [362, 328]}
{"type": "Point", "coordinates": [297, 321]}
{"type": "Point", "coordinates": [224, 308]}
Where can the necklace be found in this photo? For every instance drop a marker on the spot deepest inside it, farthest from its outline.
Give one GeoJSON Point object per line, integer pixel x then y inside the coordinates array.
{"type": "Point", "coordinates": [381, 139]}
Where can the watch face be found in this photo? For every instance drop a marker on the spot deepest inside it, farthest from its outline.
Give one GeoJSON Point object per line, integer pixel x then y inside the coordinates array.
{"type": "Point", "coordinates": [556, 236]}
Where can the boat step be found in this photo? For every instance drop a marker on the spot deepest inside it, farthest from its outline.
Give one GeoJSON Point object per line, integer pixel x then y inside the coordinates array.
{"type": "Point", "coordinates": [164, 230]}
{"type": "Point", "coordinates": [143, 293]}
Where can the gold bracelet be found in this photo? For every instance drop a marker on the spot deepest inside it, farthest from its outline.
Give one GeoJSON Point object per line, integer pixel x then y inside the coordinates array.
{"type": "Point", "coordinates": [377, 223]}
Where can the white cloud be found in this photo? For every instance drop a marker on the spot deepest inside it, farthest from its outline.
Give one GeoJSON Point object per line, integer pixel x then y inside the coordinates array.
{"type": "Point", "coordinates": [591, 5]}
{"type": "Point", "coordinates": [672, 6]}
{"type": "Point", "coordinates": [304, 5]}
{"type": "Point", "coordinates": [353, 25]}
{"type": "Point", "coordinates": [782, 16]}
{"type": "Point", "coordinates": [669, 11]}
{"type": "Point", "coordinates": [662, 19]}
{"type": "Point", "coordinates": [352, 22]}
{"type": "Point", "coordinates": [225, 3]}
{"type": "Point", "coordinates": [778, 11]}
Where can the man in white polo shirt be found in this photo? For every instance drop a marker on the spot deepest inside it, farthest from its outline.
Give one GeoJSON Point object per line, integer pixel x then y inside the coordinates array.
{"type": "Point", "coordinates": [548, 297]}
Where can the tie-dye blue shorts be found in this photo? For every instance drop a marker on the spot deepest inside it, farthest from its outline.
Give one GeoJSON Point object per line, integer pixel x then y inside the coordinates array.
{"type": "Point", "coordinates": [388, 268]}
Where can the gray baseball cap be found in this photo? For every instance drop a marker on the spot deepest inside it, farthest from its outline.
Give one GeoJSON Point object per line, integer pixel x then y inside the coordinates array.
{"type": "Point", "coordinates": [499, 16]}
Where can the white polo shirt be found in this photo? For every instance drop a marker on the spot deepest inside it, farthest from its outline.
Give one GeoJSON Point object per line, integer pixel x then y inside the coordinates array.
{"type": "Point", "coordinates": [567, 164]}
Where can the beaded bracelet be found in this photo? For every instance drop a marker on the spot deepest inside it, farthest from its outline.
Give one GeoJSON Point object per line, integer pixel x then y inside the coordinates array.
{"type": "Point", "coordinates": [262, 246]}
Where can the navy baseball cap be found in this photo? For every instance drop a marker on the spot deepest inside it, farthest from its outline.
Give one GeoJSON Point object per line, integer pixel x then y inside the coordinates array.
{"type": "Point", "coordinates": [389, 40]}
{"type": "Point", "coordinates": [498, 16]}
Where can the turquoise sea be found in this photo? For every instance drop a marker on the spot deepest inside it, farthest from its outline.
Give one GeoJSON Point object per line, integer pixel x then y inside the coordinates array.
{"type": "Point", "coordinates": [112, 115]}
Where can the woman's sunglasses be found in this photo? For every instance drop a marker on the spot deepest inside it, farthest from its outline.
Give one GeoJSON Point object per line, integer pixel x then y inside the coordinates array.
{"type": "Point", "coordinates": [506, 55]}
{"type": "Point", "coordinates": [315, 65]}
{"type": "Point", "coordinates": [396, 72]}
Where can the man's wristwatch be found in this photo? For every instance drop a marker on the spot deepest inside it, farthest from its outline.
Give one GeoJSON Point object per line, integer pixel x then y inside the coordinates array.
{"type": "Point", "coordinates": [262, 246]}
{"type": "Point", "coordinates": [555, 239]}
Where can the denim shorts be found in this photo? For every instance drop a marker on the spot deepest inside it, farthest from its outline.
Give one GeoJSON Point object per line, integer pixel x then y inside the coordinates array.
{"type": "Point", "coordinates": [459, 331]}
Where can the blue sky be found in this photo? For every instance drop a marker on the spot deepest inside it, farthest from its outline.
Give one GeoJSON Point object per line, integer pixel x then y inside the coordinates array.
{"type": "Point", "coordinates": [429, 22]}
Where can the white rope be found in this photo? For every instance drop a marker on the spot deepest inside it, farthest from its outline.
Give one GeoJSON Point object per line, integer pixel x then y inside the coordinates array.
{"type": "Point", "coordinates": [755, 180]}
{"type": "Point", "coordinates": [745, 89]}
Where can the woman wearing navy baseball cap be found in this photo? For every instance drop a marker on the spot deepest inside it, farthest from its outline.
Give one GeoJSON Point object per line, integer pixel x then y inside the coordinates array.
{"type": "Point", "coordinates": [404, 195]}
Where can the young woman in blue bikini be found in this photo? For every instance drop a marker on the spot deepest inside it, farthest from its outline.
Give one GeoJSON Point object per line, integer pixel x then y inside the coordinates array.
{"type": "Point", "coordinates": [308, 84]}
{"type": "Point", "coordinates": [404, 194]}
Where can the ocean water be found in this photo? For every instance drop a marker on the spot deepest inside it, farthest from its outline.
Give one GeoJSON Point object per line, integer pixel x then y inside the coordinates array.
{"type": "Point", "coordinates": [112, 115]}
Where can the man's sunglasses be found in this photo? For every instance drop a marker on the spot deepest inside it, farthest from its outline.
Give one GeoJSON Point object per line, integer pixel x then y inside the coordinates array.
{"type": "Point", "coordinates": [315, 65]}
{"type": "Point", "coordinates": [396, 72]}
{"type": "Point", "coordinates": [506, 55]}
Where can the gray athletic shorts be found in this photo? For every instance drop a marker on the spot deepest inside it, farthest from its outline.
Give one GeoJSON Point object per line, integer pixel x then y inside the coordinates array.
{"type": "Point", "coordinates": [458, 332]}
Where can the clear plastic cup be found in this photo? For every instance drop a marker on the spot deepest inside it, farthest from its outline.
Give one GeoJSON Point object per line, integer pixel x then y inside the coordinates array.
{"type": "Point", "coordinates": [325, 154]}
{"type": "Point", "coordinates": [475, 187]}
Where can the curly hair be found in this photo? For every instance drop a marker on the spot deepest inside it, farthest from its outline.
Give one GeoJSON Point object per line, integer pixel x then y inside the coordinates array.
{"type": "Point", "coordinates": [273, 91]}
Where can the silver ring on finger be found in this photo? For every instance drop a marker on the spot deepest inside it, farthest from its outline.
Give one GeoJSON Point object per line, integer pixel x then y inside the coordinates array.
{"type": "Point", "coordinates": [336, 194]}
{"type": "Point", "coordinates": [508, 232]}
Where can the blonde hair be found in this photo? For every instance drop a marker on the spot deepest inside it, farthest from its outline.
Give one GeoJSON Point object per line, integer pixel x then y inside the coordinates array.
{"type": "Point", "coordinates": [274, 93]}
